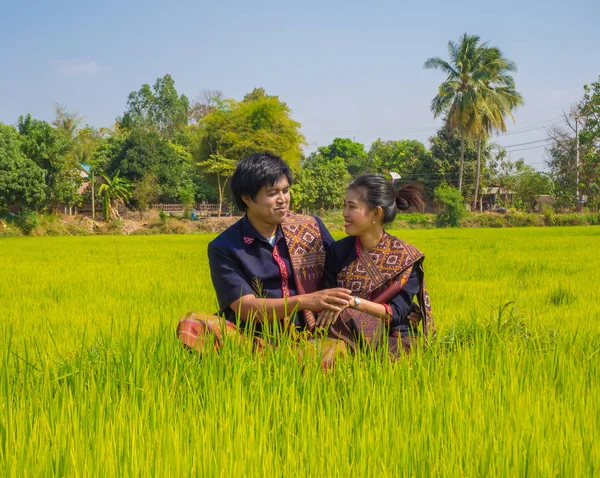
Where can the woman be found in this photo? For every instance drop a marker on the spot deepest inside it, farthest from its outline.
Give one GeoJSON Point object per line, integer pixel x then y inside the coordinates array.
{"type": "Point", "coordinates": [383, 272]}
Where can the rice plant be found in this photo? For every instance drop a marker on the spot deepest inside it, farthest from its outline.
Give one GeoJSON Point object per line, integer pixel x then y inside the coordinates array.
{"type": "Point", "coordinates": [94, 383]}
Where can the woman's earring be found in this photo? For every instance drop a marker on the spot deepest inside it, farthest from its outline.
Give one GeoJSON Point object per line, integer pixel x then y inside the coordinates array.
{"type": "Point", "coordinates": [373, 219]}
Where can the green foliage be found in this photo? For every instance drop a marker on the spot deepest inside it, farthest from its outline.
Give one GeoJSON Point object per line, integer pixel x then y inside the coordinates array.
{"type": "Point", "coordinates": [415, 220]}
{"type": "Point", "coordinates": [321, 184]}
{"type": "Point", "coordinates": [27, 220]}
{"type": "Point", "coordinates": [187, 197]}
{"type": "Point", "coordinates": [589, 111]}
{"type": "Point", "coordinates": [221, 168]}
{"type": "Point", "coordinates": [562, 153]}
{"type": "Point", "coordinates": [232, 130]}
{"type": "Point", "coordinates": [204, 189]}
{"type": "Point", "coordinates": [259, 123]}
{"type": "Point", "coordinates": [21, 180]}
{"type": "Point", "coordinates": [451, 204]}
{"type": "Point", "coordinates": [163, 216]}
{"type": "Point", "coordinates": [159, 108]}
{"type": "Point", "coordinates": [354, 154]}
{"type": "Point", "coordinates": [141, 152]}
{"type": "Point", "coordinates": [527, 184]}
{"type": "Point", "coordinates": [113, 190]}
{"type": "Point", "coordinates": [106, 376]}
{"type": "Point", "coordinates": [443, 162]}
{"type": "Point", "coordinates": [404, 157]}
{"type": "Point", "coordinates": [49, 149]}
{"type": "Point", "coordinates": [146, 192]}
{"type": "Point", "coordinates": [478, 92]}
{"type": "Point", "coordinates": [66, 123]}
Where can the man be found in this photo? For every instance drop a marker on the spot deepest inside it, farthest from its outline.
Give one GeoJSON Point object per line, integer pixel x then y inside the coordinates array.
{"type": "Point", "coordinates": [268, 265]}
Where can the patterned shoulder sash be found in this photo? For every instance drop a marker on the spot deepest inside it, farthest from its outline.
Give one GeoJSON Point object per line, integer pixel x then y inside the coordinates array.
{"type": "Point", "coordinates": [373, 268]}
{"type": "Point", "coordinates": [307, 253]}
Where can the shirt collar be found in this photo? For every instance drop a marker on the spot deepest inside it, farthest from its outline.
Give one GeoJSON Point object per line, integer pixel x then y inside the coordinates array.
{"type": "Point", "coordinates": [250, 234]}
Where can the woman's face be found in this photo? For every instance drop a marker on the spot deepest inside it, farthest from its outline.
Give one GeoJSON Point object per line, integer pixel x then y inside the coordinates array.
{"type": "Point", "coordinates": [358, 217]}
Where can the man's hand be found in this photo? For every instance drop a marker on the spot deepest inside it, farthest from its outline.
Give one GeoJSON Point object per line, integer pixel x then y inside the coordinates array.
{"type": "Point", "coordinates": [326, 318]}
{"type": "Point", "coordinates": [334, 300]}
{"type": "Point", "coordinates": [414, 316]}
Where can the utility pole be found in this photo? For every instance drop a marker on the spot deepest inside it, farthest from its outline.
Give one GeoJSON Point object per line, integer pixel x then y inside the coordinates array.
{"type": "Point", "coordinates": [93, 195]}
{"type": "Point", "coordinates": [577, 157]}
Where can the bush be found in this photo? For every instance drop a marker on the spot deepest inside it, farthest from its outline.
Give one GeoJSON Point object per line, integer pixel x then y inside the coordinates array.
{"type": "Point", "coordinates": [9, 230]}
{"type": "Point", "coordinates": [452, 204]}
{"type": "Point", "coordinates": [27, 220]}
{"type": "Point", "coordinates": [163, 216]}
{"type": "Point", "coordinates": [522, 219]}
{"type": "Point", "coordinates": [416, 220]}
{"type": "Point", "coordinates": [549, 216]}
{"type": "Point", "coordinates": [484, 220]}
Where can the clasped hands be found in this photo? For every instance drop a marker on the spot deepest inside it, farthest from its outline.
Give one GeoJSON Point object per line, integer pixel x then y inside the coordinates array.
{"type": "Point", "coordinates": [330, 303]}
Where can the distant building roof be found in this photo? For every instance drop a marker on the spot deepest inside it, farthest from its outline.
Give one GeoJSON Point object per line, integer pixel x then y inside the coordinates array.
{"type": "Point", "coordinates": [545, 199]}
{"type": "Point", "coordinates": [495, 190]}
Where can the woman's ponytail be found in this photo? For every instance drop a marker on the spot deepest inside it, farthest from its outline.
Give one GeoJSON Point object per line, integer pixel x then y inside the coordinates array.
{"type": "Point", "coordinates": [410, 195]}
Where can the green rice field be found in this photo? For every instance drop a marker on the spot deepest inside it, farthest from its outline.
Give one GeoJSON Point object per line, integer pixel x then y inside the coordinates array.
{"type": "Point", "coordinates": [94, 382]}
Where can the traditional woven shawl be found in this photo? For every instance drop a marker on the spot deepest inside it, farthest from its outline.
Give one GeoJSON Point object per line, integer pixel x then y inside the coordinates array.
{"type": "Point", "coordinates": [380, 274]}
{"type": "Point", "coordinates": [307, 254]}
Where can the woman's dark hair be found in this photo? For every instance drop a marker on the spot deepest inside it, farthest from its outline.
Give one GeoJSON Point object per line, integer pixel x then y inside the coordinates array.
{"type": "Point", "coordinates": [376, 190]}
{"type": "Point", "coordinates": [256, 171]}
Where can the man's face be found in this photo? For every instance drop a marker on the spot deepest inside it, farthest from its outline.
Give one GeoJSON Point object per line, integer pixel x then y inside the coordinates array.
{"type": "Point", "coordinates": [271, 203]}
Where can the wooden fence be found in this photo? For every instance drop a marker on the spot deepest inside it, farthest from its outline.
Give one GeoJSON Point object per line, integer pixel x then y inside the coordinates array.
{"type": "Point", "coordinates": [200, 209]}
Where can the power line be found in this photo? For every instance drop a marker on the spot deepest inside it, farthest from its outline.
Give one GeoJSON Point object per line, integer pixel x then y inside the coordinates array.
{"type": "Point", "coordinates": [527, 129]}
{"type": "Point", "coordinates": [545, 140]}
{"type": "Point", "coordinates": [362, 131]}
{"type": "Point", "coordinates": [526, 149]}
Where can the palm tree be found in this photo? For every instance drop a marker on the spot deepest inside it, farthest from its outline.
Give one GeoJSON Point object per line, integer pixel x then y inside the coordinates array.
{"type": "Point", "coordinates": [66, 122]}
{"type": "Point", "coordinates": [113, 190]}
{"type": "Point", "coordinates": [497, 98]}
{"type": "Point", "coordinates": [457, 97]}
{"type": "Point", "coordinates": [85, 143]}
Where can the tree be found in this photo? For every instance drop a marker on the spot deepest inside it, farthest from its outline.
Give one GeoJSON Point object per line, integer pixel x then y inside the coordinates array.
{"type": "Point", "coordinates": [85, 144]}
{"type": "Point", "coordinates": [574, 182]}
{"type": "Point", "coordinates": [406, 157]}
{"type": "Point", "coordinates": [159, 108]}
{"type": "Point", "coordinates": [497, 98]}
{"type": "Point", "coordinates": [141, 152]}
{"type": "Point", "coordinates": [321, 183]}
{"type": "Point", "coordinates": [562, 159]}
{"type": "Point", "coordinates": [66, 123]}
{"type": "Point", "coordinates": [354, 154]}
{"type": "Point", "coordinates": [21, 180]}
{"type": "Point", "coordinates": [49, 149]}
{"type": "Point", "coordinates": [222, 168]}
{"type": "Point", "coordinates": [477, 93]}
{"type": "Point", "coordinates": [146, 192]}
{"type": "Point", "coordinates": [442, 165]}
{"type": "Point", "coordinates": [206, 102]}
{"type": "Point", "coordinates": [500, 174]}
{"type": "Point", "coordinates": [113, 190]}
{"type": "Point", "coordinates": [451, 204]}
{"type": "Point", "coordinates": [235, 129]}
{"type": "Point", "coordinates": [457, 96]}
{"type": "Point", "coordinates": [527, 183]}
{"type": "Point", "coordinates": [589, 143]}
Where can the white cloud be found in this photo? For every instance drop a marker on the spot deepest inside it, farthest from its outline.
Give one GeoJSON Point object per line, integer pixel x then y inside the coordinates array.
{"type": "Point", "coordinates": [74, 68]}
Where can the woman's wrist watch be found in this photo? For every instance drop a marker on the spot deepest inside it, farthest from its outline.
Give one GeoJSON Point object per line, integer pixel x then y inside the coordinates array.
{"type": "Point", "coordinates": [356, 303]}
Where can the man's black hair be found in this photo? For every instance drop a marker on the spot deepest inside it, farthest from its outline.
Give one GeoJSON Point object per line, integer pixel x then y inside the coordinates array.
{"type": "Point", "coordinates": [256, 171]}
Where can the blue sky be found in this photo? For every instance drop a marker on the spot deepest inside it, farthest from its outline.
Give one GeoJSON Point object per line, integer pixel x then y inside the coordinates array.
{"type": "Point", "coordinates": [349, 69]}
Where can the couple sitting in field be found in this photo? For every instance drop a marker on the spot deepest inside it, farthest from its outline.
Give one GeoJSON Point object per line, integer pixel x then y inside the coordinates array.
{"type": "Point", "coordinates": [276, 266]}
